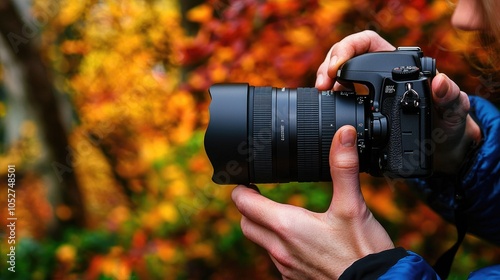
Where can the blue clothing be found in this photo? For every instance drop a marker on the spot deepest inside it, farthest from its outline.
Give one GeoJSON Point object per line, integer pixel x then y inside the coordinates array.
{"type": "Point", "coordinates": [479, 190]}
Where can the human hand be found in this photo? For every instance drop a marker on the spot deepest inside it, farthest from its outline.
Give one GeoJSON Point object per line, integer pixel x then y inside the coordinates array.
{"type": "Point", "coordinates": [349, 47]}
{"type": "Point", "coordinates": [454, 129]}
{"type": "Point", "coordinates": [309, 245]}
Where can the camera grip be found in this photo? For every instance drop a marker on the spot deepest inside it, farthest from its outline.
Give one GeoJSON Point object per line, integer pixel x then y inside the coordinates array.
{"type": "Point", "coordinates": [394, 150]}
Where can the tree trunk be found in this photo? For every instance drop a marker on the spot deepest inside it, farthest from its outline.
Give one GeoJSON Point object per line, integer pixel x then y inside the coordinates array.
{"type": "Point", "coordinates": [19, 44]}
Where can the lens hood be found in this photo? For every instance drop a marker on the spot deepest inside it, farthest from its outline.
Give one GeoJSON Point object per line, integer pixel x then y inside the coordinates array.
{"type": "Point", "coordinates": [226, 138]}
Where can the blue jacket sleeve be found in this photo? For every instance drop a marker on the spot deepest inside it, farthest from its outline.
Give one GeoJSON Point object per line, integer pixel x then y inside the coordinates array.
{"type": "Point", "coordinates": [491, 272]}
{"type": "Point", "coordinates": [412, 266]}
{"type": "Point", "coordinates": [400, 264]}
{"type": "Point", "coordinates": [481, 183]}
{"type": "Point", "coordinates": [395, 263]}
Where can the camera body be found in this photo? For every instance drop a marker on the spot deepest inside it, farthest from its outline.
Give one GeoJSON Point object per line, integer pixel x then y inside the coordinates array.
{"type": "Point", "coordinates": [270, 135]}
{"type": "Point", "coordinates": [400, 93]}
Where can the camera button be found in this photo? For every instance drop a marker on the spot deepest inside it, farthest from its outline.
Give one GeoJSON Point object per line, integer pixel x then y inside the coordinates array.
{"type": "Point", "coordinates": [405, 73]}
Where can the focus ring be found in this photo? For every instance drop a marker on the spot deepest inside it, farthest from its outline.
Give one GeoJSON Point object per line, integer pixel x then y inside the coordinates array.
{"type": "Point", "coordinates": [307, 135]}
{"type": "Point", "coordinates": [262, 134]}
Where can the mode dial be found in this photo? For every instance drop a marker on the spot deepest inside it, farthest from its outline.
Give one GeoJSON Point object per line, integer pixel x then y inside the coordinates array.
{"type": "Point", "coordinates": [405, 73]}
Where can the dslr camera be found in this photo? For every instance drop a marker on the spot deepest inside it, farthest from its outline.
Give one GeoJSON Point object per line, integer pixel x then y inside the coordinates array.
{"type": "Point", "coordinates": [272, 135]}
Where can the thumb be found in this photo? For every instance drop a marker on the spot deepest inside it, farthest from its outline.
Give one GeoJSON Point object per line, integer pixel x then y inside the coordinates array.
{"type": "Point", "coordinates": [451, 103]}
{"type": "Point", "coordinates": [344, 168]}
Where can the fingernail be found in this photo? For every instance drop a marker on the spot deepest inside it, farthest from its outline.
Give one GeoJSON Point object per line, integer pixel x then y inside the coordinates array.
{"type": "Point", "coordinates": [319, 80]}
{"type": "Point", "coordinates": [348, 138]}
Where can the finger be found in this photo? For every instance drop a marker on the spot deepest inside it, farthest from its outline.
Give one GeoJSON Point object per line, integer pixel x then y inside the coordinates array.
{"type": "Point", "coordinates": [349, 47]}
{"type": "Point", "coordinates": [258, 208]}
{"type": "Point", "coordinates": [259, 234]}
{"type": "Point", "coordinates": [354, 45]}
{"type": "Point", "coordinates": [343, 86]}
{"type": "Point", "coordinates": [268, 240]}
{"type": "Point", "coordinates": [452, 104]}
{"type": "Point", "coordinates": [323, 82]}
{"type": "Point", "coordinates": [344, 168]}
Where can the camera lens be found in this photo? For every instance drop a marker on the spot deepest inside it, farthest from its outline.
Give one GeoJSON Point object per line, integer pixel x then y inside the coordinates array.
{"type": "Point", "coordinates": [271, 135]}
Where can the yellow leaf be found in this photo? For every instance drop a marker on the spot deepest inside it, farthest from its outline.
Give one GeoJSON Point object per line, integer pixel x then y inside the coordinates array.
{"type": "Point", "coordinates": [201, 13]}
{"type": "Point", "coordinates": [66, 253]}
{"type": "Point", "coordinates": [168, 212]}
{"type": "Point", "coordinates": [70, 11]}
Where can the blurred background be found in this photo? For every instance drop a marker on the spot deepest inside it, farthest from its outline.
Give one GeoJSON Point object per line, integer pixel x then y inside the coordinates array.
{"type": "Point", "coordinates": [104, 104]}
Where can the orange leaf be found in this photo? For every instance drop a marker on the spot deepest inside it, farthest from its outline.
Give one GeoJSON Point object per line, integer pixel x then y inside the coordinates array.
{"type": "Point", "coordinates": [201, 13]}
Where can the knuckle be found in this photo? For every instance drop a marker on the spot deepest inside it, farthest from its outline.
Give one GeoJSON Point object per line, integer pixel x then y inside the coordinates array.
{"type": "Point", "coordinates": [455, 111]}
{"type": "Point", "coordinates": [281, 255]}
{"type": "Point", "coordinates": [322, 67]}
{"type": "Point", "coordinates": [369, 33]}
{"type": "Point", "coordinates": [242, 204]}
{"type": "Point", "coordinates": [234, 196]}
{"type": "Point", "coordinates": [245, 226]}
{"type": "Point", "coordinates": [350, 212]}
{"type": "Point", "coordinates": [237, 199]}
{"type": "Point", "coordinates": [367, 36]}
{"type": "Point", "coordinates": [345, 164]}
{"type": "Point", "coordinates": [465, 101]}
{"type": "Point", "coordinates": [282, 227]}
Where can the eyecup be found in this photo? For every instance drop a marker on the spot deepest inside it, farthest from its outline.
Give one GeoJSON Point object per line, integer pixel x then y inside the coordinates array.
{"type": "Point", "coordinates": [428, 66]}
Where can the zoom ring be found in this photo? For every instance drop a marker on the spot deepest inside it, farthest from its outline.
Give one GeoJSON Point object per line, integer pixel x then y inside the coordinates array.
{"type": "Point", "coordinates": [328, 128]}
{"type": "Point", "coordinates": [261, 134]}
{"type": "Point", "coordinates": [307, 135]}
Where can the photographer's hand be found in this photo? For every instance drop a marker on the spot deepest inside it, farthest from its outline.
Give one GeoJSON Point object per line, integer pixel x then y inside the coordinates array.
{"type": "Point", "coordinates": [349, 47]}
{"type": "Point", "coordinates": [309, 245]}
{"type": "Point", "coordinates": [455, 127]}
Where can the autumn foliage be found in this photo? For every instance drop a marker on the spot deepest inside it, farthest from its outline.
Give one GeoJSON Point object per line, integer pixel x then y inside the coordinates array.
{"type": "Point", "coordinates": [136, 73]}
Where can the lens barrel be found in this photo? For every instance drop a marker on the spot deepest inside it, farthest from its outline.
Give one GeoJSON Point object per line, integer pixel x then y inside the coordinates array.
{"type": "Point", "coordinates": [271, 135]}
